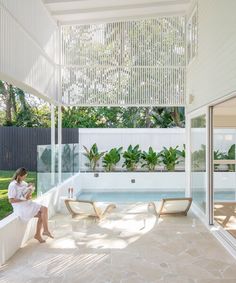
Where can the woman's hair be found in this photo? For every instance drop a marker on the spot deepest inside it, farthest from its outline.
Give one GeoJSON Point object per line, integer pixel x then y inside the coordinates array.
{"type": "Point", "coordinates": [19, 173]}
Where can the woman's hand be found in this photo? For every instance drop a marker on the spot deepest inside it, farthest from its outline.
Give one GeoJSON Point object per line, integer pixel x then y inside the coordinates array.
{"type": "Point", "coordinates": [28, 196]}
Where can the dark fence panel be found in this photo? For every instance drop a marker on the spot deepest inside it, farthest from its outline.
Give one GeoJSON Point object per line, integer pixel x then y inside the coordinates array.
{"type": "Point", "coordinates": [18, 146]}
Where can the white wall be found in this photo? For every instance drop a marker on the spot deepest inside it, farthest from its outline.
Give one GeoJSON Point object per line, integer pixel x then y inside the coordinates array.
{"type": "Point", "coordinates": [28, 47]}
{"type": "Point", "coordinates": [211, 75]}
{"type": "Point", "coordinates": [14, 233]}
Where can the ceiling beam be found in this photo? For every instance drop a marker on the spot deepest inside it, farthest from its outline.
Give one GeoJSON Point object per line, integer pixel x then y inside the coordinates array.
{"type": "Point", "coordinates": [119, 18]}
{"type": "Point", "coordinates": [120, 7]}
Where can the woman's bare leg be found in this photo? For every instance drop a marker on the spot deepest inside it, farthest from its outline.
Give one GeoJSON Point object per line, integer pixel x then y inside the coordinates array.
{"type": "Point", "coordinates": [37, 235]}
{"type": "Point", "coordinates": [44, 216]}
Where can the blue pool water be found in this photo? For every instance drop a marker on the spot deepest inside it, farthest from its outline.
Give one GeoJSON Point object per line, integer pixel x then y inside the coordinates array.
{"type": "Point", "coordinates": [136, 196]}
{"type": "Point", "coordinates": [125, 197]}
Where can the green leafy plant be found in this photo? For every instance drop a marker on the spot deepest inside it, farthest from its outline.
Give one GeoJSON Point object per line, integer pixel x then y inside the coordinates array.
{"type": "Point", "coordinates": [182, 153]}
{"type": "Point", "coordinates": [218, 156]}
{"type": "Point", "coordinates": [93, 155]}
{"type": "Point", "coordinates": [69, 157]}
{"type": "Point", "coordinates": [132, 157]}
{"type": "Point", "coordinates": [170, 157]}
{"type": "Point", "coordinates": [150, 159]}
{"type": "Point", "coordinates": [111, 158]}
{"type": "Point", "coordinates": [231, 156]}
{"type": "Point", "coordinates": [199, 159]}
{"type": "Point", "coordinates": [46, 160]}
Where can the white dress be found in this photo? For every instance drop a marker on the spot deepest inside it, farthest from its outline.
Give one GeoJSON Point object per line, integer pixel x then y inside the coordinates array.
{"type": "Point", "coordinates": [24, 209]}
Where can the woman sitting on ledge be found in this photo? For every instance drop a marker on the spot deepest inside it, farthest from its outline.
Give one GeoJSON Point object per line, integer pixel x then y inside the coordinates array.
{"type": "Point", "coordinates": [20, 194]}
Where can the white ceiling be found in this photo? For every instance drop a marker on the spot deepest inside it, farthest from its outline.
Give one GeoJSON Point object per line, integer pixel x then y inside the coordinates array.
{"type": "Point", "coordinates": [95, 11]}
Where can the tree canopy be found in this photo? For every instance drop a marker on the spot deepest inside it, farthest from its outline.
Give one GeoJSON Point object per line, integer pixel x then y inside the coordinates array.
{"type": "Point", "coordinates": [24, 110]}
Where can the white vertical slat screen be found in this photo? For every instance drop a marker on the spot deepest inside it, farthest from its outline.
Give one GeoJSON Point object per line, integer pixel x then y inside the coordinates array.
{"type": "Point", "coordinates": [28, 47]}
{"type": "Point", "coordinates": [124, 63]}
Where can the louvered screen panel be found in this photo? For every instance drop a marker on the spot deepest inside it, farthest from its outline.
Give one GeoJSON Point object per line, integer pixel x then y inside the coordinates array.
{"type": "Point", "coordinates": [125, 63]}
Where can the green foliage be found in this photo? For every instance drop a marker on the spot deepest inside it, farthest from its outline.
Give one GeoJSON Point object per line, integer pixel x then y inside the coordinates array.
{"type": "Point", "coordinates": [170, 157]}
{"type": "Point", "coordinates": [132, 157]}
{"type": "Point", "coordinates": [150, 159]}
{"type": "Point", "coordinates": [182, 153]}
{"type": "Point", "coordinates": [46, 159]}
{"type": "Point", "coordinates": [111, 159]}
{"type": "Point", "coordinates": [199, 159]}
{"type": "Point", "coordinates": [122, 117]}
{"type": "Point", "coordinates": [20, 109]}
{"type": "Point", "coordinates": [93, 155]}
{"type": "Point", "coordinates": [23, 110]}
{"type": "Point", "coordinates": [231, 156]}
{"type": "Point", "coordinates": [69, 157]}
{"type": "Point", "coordinates": [218, 156]}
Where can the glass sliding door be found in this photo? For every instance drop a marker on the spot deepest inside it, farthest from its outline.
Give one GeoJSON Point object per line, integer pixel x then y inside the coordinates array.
{"type": "Point", "coordinates": [224, 176]}
{"type": "Point", "coordinates": [198, 182]}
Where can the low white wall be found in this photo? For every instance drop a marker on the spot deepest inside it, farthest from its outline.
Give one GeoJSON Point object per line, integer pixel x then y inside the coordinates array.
{"type": "Point", "coordinates": [143, 181]}
{"type": "Point", "coordinates": [14, 233]}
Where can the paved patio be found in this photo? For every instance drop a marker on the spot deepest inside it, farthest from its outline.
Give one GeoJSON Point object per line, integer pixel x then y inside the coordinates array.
{"type": "Point", "coordinates": [129, 246]}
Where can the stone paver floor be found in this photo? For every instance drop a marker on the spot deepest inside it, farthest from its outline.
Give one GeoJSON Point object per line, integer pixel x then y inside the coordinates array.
{"type": "Point", "coordinates": [130, 245]}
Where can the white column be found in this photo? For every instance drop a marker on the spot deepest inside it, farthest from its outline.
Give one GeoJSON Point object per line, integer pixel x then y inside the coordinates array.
{"type": "Point", "coordinates": [210, 167]}
{"type": "Point", "coordinates": [188, 154]}
{"type": "Point", "coordinates": [52, 145]}
{"type": "Point", "coordinates": [59, 127]}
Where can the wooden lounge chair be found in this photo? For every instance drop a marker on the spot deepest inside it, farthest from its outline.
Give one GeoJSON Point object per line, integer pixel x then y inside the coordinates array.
{"type": "Point", "coordinates": [88, 208]}
{"type": "Point", "coordinates": [174, 206]}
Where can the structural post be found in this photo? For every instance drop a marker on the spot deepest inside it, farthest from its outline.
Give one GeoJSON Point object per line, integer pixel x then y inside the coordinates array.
{"type": "Point", "coordinates": [59, 129]}
{"type": "Point", "coordinates": [188, 155]}
{"type": "Point", "coordinates": [210, 168]}
{"type": "Point", "coordinates": [52, 145]}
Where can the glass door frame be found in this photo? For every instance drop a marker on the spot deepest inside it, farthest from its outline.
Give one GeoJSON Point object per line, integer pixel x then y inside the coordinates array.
{"type": "Point", "coordinates": [207, 111]}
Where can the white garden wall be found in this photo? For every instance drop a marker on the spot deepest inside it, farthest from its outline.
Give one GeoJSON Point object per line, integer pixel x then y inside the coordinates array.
{"type": "Point", "coordinates": [109, 138]}
{"type": "Point", "coordinates": [211, 75]}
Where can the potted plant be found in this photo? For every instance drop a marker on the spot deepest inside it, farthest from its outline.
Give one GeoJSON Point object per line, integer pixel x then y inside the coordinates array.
{"type": "Point", "coordinates": [132, 158]}
{"type": "Point", "coordinates": [150, 159]}
{"type": "Point", "coordinates": [170, 157]}
{"type": "Point", "coordinates": [93, 155]}
{"type": "Point", "coordinates": [111, 158]}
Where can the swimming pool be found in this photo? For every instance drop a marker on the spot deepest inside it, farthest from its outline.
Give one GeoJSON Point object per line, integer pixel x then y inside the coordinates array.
{"type": "Point", "coordinates": [141, 196]}
{"type": "Point", "coordinates": [129, 196]}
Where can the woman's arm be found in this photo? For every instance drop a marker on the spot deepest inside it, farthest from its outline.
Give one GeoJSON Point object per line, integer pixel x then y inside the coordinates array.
{"type": "Point", "coordinates": [14, 200]}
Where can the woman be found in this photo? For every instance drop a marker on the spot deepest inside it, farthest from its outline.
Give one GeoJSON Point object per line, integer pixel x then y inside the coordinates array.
{"type": "Point", "coordinates": [24, 207]}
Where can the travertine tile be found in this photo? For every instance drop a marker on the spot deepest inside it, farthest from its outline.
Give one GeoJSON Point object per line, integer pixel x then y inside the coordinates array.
{"type": "Point", "coordinates": [131, 245]}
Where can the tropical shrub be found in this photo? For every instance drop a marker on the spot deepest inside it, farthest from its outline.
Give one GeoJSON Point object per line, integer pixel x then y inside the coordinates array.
{"type": "Point", "coordinates": [231, 156]}
{"type": "Point", "coordinates": [93, 155]}
{"type": "Point", "coordinates": [132, 157]}
{"type": "Point", "coordinates": [170, 157]}
{"type": "Point", "coordinates": [199, 159]}
{"type": "Point", "coordinates": [218, 156]}
{"type": "Point", "coordinates": [46, 159]}
{"type": "Point", "coordinates": [69, 157]}
{"type": "Point", "coordinates": [111, 158]}
{"type": "Point", "coordinates": [150, 159]}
